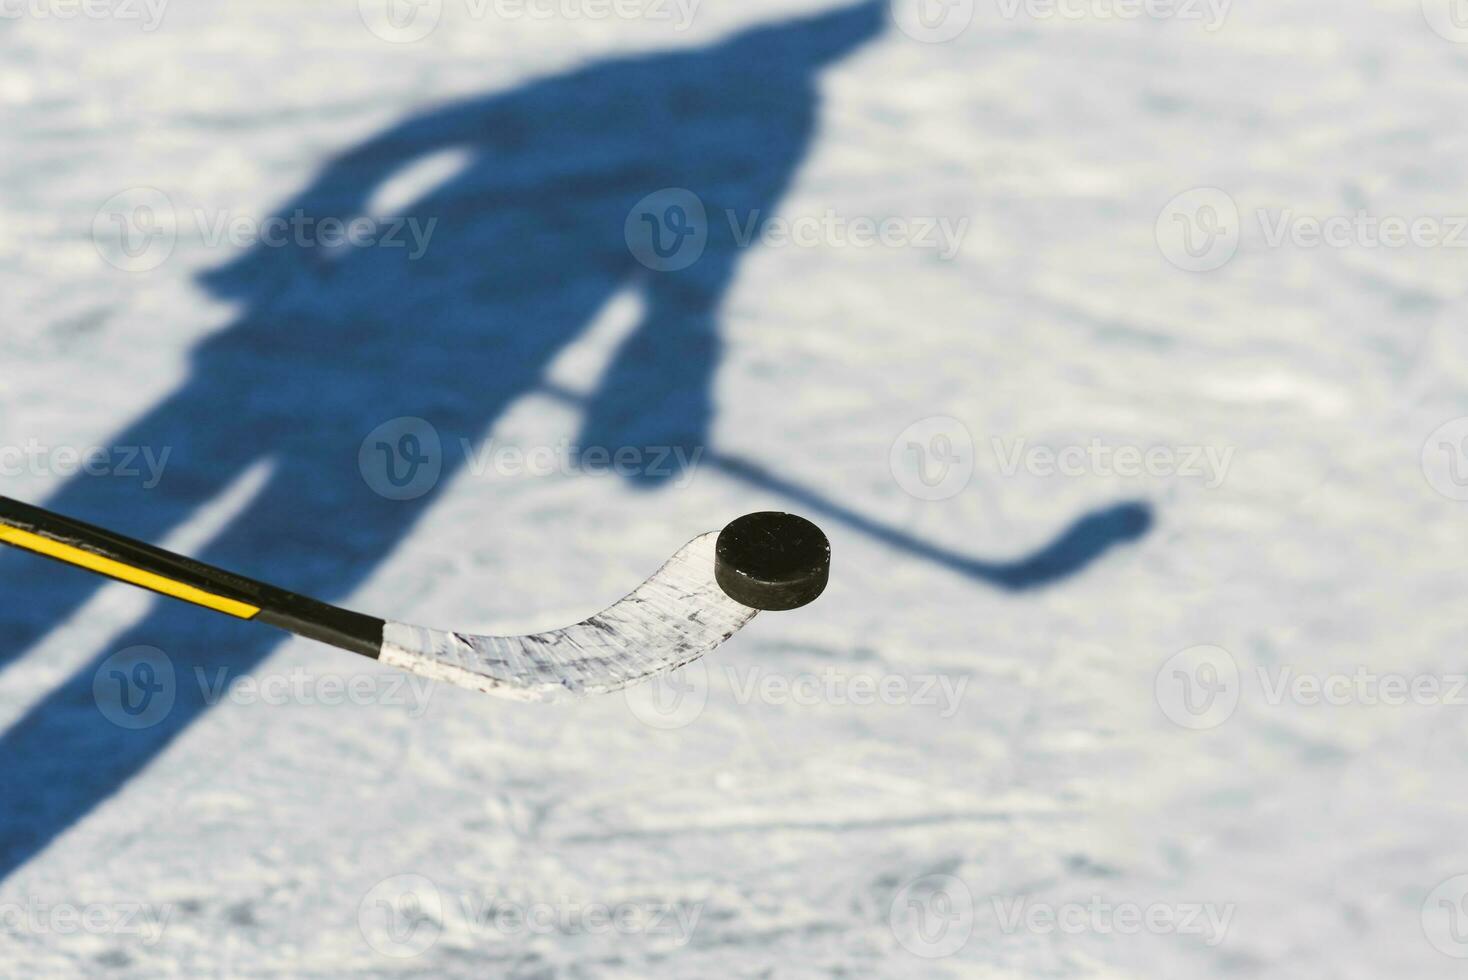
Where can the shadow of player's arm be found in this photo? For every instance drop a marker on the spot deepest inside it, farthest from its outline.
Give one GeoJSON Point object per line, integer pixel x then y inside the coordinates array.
{"type": "Point", "coordinates": [344, 186]}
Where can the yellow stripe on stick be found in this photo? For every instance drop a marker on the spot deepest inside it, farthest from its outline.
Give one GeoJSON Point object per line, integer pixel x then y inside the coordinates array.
{"type": "Point", "coordinates": [123, 572]}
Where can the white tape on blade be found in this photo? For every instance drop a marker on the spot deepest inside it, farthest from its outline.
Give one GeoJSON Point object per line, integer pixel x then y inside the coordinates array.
{"type": "Point", "coordinates": [672, 619]}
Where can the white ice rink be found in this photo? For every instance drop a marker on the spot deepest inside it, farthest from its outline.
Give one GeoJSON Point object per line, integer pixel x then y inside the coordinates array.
{"type": "Point", "coordinates": [1017, 799]}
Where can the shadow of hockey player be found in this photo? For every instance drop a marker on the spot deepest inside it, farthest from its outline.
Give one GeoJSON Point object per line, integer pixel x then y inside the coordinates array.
{"type": "Point", "coordinates": [528, 206]}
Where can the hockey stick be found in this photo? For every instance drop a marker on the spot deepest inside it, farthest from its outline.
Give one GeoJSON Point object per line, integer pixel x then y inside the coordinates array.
{"type": "Point", "coordinates": [702, 596]}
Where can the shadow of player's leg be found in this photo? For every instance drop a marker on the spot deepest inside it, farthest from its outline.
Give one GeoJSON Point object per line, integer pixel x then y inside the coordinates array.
{"type": "Point", "coordinates": [181, 454]}
{"type": "Point", "coordinates": [77, 747]}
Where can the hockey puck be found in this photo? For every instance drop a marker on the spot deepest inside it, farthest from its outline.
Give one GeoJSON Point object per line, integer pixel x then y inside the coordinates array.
{"type": "Point", "coordinates": [772, 561]}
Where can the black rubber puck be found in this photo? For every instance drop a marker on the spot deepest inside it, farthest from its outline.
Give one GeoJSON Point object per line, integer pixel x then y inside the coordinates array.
{"type": "Point", "coordinates": [773, 561]}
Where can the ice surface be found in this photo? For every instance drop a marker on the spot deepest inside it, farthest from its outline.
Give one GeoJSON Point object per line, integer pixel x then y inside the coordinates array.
{"type": "Point", "coordinates": [271, 829]}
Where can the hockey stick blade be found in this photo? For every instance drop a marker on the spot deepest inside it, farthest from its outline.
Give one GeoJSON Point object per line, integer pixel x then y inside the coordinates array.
{"type": "Point", "coordinates": [705, 594]}
{"type": "Point", "coordinates": [701, 597]}
{"type": "Point", "coordinates": [669, 621]}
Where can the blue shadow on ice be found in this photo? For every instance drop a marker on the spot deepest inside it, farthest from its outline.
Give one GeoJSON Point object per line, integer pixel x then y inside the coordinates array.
{"type": "Point", "coordinates": [528, 244]}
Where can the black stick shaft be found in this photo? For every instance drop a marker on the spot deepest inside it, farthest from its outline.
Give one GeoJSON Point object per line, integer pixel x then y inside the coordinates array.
{"type": "Point", "coordinates": [121, 558]}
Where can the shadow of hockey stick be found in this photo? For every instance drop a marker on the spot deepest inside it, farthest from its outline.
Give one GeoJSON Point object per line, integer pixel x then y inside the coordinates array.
{"type": "Point", "coordinates": [1082, 543]}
